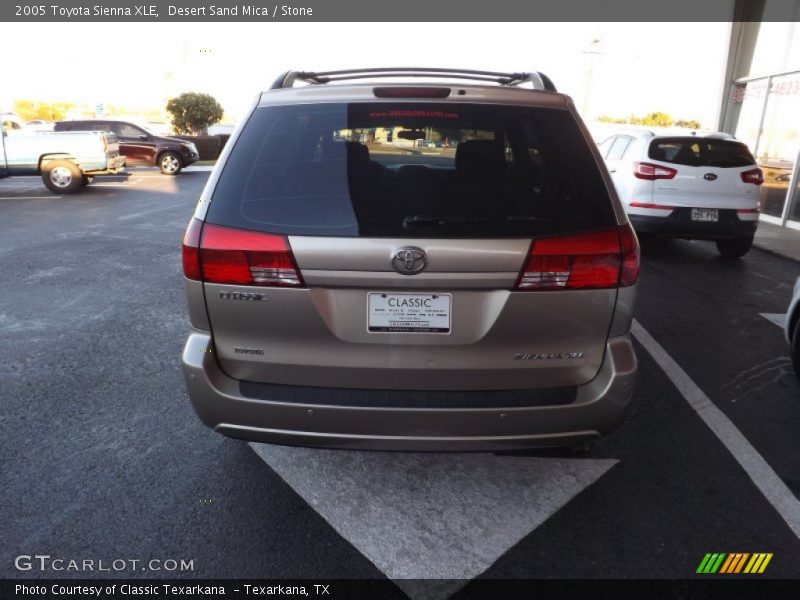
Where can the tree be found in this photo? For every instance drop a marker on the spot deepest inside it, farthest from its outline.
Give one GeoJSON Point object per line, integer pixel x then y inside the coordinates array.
{"type": "Point", "coordinates": [653, 119]}
{"type": "Point", "coordinates": [690, 124]}
{"type": "Point", "coordinates": [607, 119]}
{"type": "Point", "coordinates": [192, 113]}
{"type": "Point", "coordinates": [28, 110]}
{"type": "Point", "coordinates": [657, 119]}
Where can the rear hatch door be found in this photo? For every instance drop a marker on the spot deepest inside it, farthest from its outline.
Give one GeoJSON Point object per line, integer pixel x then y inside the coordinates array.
{"type": "Point", "coordinates": [398, 235]}
{"type": "Point", "coordinates": [707, 173]}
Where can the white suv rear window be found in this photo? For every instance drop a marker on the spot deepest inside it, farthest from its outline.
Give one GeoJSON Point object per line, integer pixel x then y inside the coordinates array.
{"type": "Point", "coordinates": [700, 152]}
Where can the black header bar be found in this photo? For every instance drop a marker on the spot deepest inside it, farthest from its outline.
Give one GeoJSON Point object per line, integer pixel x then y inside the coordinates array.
{"type": "Point", "coordinates": [381, 11]}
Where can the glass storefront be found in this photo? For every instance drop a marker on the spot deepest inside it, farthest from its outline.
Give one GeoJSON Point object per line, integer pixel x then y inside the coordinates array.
{"type": "Point", "coordinates": [762, 107]}
{"type": "Point", "coordinates": [794, 214]}
{"type": "Point", "coordinates": [769, 122]}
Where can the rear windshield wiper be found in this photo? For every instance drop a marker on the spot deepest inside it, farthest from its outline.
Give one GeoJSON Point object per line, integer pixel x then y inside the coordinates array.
{"type": "Point", "coordinates": [412, 221]}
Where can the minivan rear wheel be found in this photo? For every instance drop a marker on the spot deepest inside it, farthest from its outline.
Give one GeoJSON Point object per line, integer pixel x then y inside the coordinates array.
{"type": "Point", "coordinates": [735, 248]}
{"type": "Point", "coordinates": [170, 163]}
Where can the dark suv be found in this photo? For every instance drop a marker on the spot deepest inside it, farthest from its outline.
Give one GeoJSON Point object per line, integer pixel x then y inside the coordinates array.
{"type": "Point", "coordinates": [139, 146]}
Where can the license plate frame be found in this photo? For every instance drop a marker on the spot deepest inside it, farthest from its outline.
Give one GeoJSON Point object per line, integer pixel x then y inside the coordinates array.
{"type": "Point", "coordinates": [705, 215]}
{"type": "Point", "coordinates": [409, 313]}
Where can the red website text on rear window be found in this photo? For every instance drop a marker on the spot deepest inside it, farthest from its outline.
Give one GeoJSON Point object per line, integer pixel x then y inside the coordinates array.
{"type": "Point", "coordinates": [414, 114]}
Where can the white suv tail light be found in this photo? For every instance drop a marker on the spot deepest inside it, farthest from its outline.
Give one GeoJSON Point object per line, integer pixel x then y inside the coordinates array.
{"type": "Point", "coordinates": [754, 176]}
{"type": "Point", "coordinates": [644, 170]}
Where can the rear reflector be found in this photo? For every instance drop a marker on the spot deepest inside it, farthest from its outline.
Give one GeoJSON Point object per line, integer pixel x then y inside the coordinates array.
{"type": "Point", "coordinates": [240, 257]}
{"type": "Point", "coordinates": [754, 176]}
{"type": "Point", "coordinates": [748, 211]}
{"type": "Point", "coordinates": [190, 254]}
{"type": "Point", "coordinates": [629, 273]}
{"type": "Point", "coordinates": [643, 170]}
{"type": "Point", "coordinates": [602, 259]}
{"type": "Point", "coordinates": [650, 205]}
{"type": "Point", "coordinates": [411, 92]}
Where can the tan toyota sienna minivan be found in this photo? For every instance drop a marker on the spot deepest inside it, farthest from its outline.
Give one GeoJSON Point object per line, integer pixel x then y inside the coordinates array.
{"type": "Point", "coordinates": [435, 265]}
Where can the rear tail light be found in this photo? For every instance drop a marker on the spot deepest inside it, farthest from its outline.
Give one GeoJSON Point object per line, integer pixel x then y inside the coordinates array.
{"type": "Point", "coordinates": [602, 259]}
{"type": "Point", "coordinates": [643, 170]}
{"type": "Point", "coordinates": [754, 176]}
{"type": "Point", "coordinates": [190, 252]}
{"type": "Point", "coordinates": [629, 272]}
{"type": "Point", "coordinates": [238, 256]}
{"type": "Point", "coordinates": [748, 214]}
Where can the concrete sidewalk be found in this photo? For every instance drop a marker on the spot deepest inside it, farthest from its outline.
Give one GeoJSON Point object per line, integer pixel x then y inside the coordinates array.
{"type": "Point", "coordinates": [778, 240]}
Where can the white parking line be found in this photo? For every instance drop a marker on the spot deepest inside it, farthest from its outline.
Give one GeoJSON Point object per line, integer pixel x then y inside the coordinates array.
{"type": "Point", "coordinates": [424, 518]}
{"type": "Point", "coordinates": [31, 197]}
{"type": "Point", "coordinates": [147, 212]}
{"type": "Point", "coordinates": [763, 476]}
{"type": "Point", "coordinates": [118, 183]}
{"type": "Point", "coordinates": [154, 172]}
{"type": "Point", "coordinates": [778, 319]}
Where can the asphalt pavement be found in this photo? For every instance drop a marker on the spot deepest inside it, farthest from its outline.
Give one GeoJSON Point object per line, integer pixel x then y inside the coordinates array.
{"type": "Point", "coordinates": [104, 458]}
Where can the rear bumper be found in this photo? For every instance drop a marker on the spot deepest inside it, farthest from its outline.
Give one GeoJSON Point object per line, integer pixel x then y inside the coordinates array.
{"type": "Point", "coordinates": [598, 408]}
{"type": "Point", "coordinates": [189, 158]}
{"type": "Point", "coordinates": [113, 164]}
{"type": "Point", "coordinates": [679, 225]}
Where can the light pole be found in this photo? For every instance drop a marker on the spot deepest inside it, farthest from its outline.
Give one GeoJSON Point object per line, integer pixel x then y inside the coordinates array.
{"type": "Point", "coordinates": [593, 51]}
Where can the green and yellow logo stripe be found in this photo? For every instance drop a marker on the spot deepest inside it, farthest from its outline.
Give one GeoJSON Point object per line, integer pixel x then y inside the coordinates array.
{"type": "Point", "coordinates": [734, 563]}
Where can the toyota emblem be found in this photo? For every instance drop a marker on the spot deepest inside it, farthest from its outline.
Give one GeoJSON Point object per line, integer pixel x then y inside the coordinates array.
{"type": "Point", "coordinates": [409, 260]}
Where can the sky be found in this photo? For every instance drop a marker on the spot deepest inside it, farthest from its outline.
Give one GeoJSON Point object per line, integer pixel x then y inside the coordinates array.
{"type": "Point", "coordinates": [608, 68]}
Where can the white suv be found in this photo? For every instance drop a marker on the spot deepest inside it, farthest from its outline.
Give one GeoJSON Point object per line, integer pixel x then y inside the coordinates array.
{"type": "Point", "coordinates": [694, 186]}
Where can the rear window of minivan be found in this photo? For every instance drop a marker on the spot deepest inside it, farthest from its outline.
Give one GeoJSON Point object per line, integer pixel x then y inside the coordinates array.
{"type": "Point", "coordinates": [699, 152]}
{"type": "Point", "coordinates": [411, 170]}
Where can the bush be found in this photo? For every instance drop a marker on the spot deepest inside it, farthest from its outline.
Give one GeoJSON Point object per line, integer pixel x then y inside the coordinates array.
{"type": "Point", "coordinates": [223, 139]}
{"type": "Point", "coordinates": [193, 113]}
{"type": "Point", "coordinates": [208, 146]}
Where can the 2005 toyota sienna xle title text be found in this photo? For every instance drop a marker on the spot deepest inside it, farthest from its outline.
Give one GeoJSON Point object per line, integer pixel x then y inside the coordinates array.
{"type": "Point", "coordinates": [411, 266]}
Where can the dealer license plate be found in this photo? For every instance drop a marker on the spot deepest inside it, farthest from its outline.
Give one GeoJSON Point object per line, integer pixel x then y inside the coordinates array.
{"type": "Point", "coordinates": [408, 313]}
{"type": "Point", "coordinates": [705, 214]}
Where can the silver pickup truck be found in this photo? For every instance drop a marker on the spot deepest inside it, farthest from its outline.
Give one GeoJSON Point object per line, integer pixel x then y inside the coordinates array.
{"type": "Point", "coordinates": [66, 161]}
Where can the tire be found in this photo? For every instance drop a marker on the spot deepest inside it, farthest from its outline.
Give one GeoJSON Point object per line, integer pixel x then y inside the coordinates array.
{"type": "Point", "coordinates": [170, 163]}
{"type": "Point", "coordinates": [62, 177]}
{"type": "Point", "coordinates": [735, 248]}
{"type": "Point", "coordinates": [796, 348]}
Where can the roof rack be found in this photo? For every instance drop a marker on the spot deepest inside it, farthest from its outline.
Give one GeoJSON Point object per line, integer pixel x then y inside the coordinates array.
{"type": "Point", "coordinates": [538, 80]}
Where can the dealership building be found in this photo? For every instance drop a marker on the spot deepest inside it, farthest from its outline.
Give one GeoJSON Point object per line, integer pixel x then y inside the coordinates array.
{"type": "Point", "coordinates": [761, 100]}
